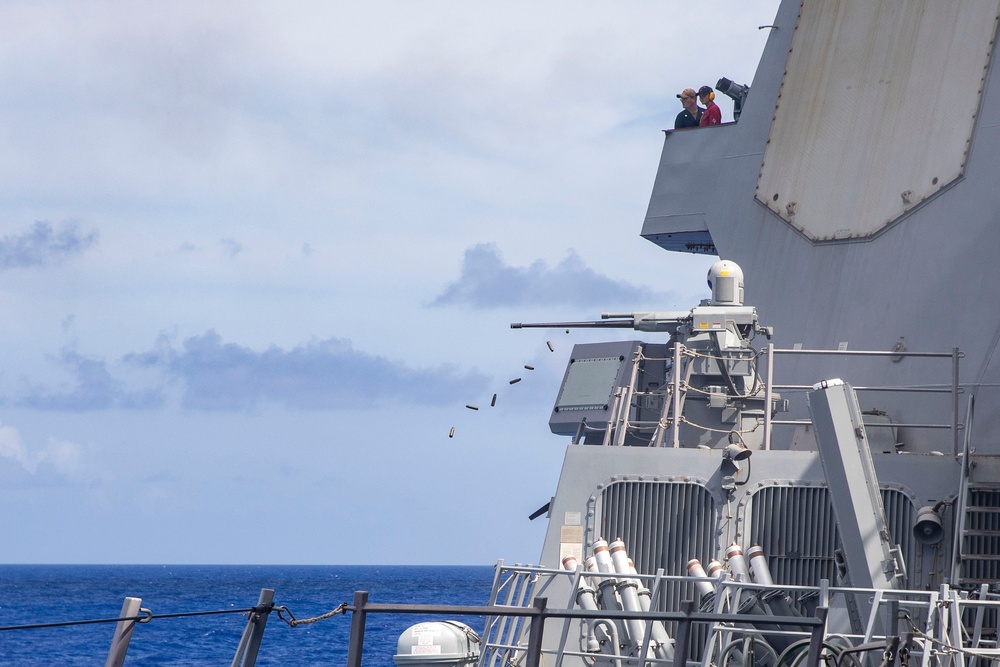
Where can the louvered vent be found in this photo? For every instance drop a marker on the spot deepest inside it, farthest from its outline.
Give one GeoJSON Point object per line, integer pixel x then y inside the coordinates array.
{"type": "Point", "coordinates": [663, 524]}
{"type": "Point", "coordinates": [900, 515]}
{"type": "Point", "coordinates": [981, 537]}
{"type": "Point", "coordinates": [796, 527]}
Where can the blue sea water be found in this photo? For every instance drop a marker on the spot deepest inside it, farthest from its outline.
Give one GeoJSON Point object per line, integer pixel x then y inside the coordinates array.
{"type": "Point", "coordinates": [36, 594]}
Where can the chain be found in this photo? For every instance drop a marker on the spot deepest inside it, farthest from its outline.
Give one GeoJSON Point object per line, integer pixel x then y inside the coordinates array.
{"type": "Point", "coordinates": [292, 621]}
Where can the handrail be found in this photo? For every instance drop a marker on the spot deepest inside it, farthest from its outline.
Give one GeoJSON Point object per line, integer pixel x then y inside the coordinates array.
{"type": "Point", "coordinates": [539, 612]}
{"type": "Point", "coordinates": [865, 353]}
{"type": "Point", "coordinates": [930, 614]}
{"type": "Point", "coordinates": [676, 387]}
{"type": "Point", "coordinates": [951, 388]}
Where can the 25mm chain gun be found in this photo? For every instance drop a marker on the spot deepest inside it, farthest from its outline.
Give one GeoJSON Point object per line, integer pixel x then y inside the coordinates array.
{"type": "Point", "coordinates": [703, 384]}
{"type": "Point", "coordinates": [667, 321]}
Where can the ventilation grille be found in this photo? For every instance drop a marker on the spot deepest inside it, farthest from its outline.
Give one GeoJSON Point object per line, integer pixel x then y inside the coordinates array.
{"type": "Point", "coordinates": [663, 524]}
{"type": "Point", "coordinates": [795, 526]}
{"type": "Point", "coordinates": [899, 516]}
{"type": "Point", "coordinates": [796, 529]}
{"type": "Point", "coordinates": [981, 537]}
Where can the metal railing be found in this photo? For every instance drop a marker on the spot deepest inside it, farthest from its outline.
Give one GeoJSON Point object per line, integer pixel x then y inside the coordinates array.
{"type": "Point", "coordinates": [539, 612]}
{"type": "Point", "coordinates": [666, 430]}
{"type": "Point", "coordinates": [132, 613]}
{"type": "Point", "coordinates": [951, 388]}
{"type": "Point", "coordinates": [937, 627]}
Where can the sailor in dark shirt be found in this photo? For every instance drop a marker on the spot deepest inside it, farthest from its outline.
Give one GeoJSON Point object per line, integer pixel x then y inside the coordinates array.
{"type": "Point", "coordinates": [691, 115]}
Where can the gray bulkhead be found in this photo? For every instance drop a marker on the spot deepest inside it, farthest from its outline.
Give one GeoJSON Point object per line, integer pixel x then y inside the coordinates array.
{"type": "Point", "coordinates": [672, 505]}
{"type": "Point", "coordinates": [921, 278]}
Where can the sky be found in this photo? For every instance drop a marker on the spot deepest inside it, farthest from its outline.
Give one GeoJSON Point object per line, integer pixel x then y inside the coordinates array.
{"type": "Point", "coordinates": [256, 258]}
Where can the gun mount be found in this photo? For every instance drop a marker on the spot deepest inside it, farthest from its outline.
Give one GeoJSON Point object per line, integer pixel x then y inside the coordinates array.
{"type": "Point", "coordinates": [703, 382]}
{"type": "Point", "coordinates": [667, 322]}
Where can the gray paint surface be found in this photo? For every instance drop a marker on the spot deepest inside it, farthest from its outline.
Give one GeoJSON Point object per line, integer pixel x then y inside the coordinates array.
{"type": "Point", "coordinates": [926, 279]}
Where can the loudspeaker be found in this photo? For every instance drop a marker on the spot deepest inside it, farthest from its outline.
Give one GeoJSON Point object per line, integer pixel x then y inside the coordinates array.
{"type": "Point", "coordinates": [928, 528]}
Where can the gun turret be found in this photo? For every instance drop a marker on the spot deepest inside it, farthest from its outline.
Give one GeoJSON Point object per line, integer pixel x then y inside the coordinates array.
{"type": "Point", "coordinates": [667, 321]}
{"type": "Point", "coordinates": [628, 392]}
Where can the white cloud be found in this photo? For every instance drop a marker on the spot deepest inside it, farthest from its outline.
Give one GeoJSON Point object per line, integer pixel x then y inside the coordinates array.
{"type": "Point", "coordinates": [320, 375]}
{"type": "Point", "coordinates": [94, 388]}
{"type": "Point", "coordinates": [42, 245]}
{"type": "Point", "coordinates": [488, 282]}
{"type": "Point", "coordinates": [284, 188]}
{"type": "Point", "coordinates": [64, 457]}
{"type": "Point", "coordinates": [11, 447]}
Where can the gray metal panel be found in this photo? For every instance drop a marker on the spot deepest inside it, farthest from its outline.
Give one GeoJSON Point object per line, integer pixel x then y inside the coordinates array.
{"type": "Point", "coordinates": [664, 523]}
{"type": "Point", "coordinates": [927, 279]}
{"type": "Point", "coordinates": [588, 384]}
{"type": "Point", "coordinates": [854, 490]}
{"type": "Point", "coordinates": [795, 525]}
{"type": "Point", "coordinates": [697, 242]}
{"type": "Point", "coordinates": [687, 178]}
{"type": "Point", "coordinates": [796, 528]}
{"type": "Point", "coordinates": [588, 471]}
{"type": "Point", "coordinates": [587, 391]}
{"type": "Point", "coordinates": [838, 166]}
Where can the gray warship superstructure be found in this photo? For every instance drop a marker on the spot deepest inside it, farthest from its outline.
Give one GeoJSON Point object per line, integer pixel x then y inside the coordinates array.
{"type": "Point", "coordinates": [804, 467]}
{"type": "Point", "coordinates": [820, 438]}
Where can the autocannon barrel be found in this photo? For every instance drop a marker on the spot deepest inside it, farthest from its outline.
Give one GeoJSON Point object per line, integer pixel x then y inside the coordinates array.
{"type": "Point", "coordinates": [665, 321]}
{"type": "Point", "coordinates": [593, 324]}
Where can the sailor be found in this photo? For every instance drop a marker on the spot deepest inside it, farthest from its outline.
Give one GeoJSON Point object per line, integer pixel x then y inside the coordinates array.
{"type": "Point", "coordinates": [712, 114]}
{"type": "Point", "coordinates": [690, 115]}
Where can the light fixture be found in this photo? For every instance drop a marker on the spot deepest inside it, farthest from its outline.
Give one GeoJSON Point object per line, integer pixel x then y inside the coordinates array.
{"type": "Point", "coordinates": [736, 450]}
{"type": "Point", "coordinates": [732, 454]}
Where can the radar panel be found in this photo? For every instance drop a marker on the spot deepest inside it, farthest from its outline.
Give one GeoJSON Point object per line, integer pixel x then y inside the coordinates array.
{"type": "Point", "coordinates": [857, 77]}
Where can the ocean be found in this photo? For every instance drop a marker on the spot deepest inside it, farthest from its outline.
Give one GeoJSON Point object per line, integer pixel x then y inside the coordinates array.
{"type": "Point", "coordinates": [36, 594]}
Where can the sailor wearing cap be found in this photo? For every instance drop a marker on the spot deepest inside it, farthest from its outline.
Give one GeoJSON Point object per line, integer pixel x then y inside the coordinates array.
{"type": "Point", "coordinates": [691, 114]}
{"type": "Point", "coordinates": [712, 114]}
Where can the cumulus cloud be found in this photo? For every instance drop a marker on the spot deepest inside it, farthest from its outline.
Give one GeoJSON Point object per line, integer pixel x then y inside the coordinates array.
{"type": "Point", "coordinates": [321, 375]}
{"type": "Point", "coordinates": [42, 245]}
{"type": "Point", "coordinates": [95, 388]}
{"type": "Point", "coordinates": [215, 375]}
{"type": "Point", "coordinates": [488, 282]}
{"type": "Point", "coordinates": [63, 456]}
